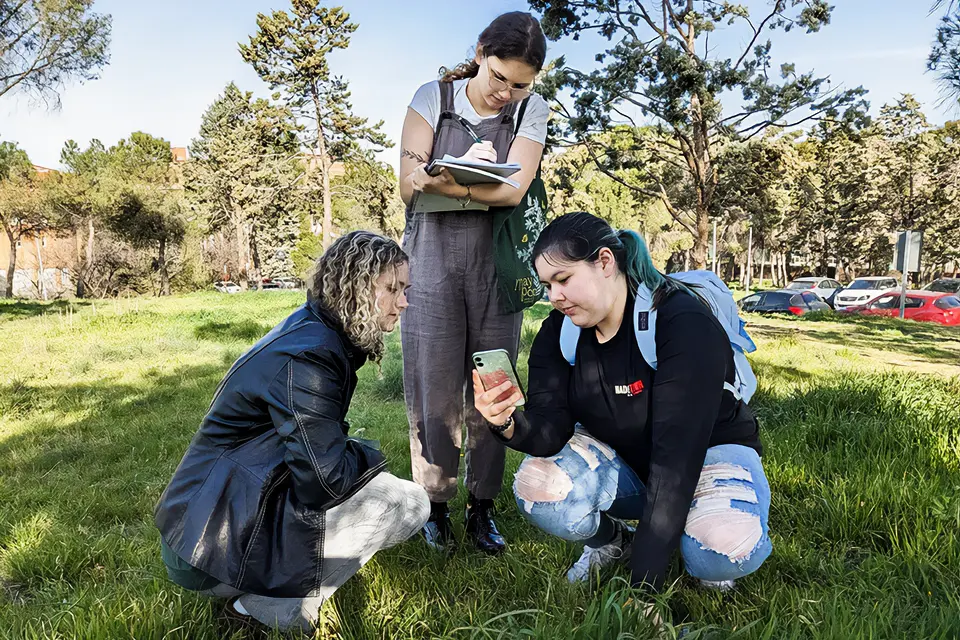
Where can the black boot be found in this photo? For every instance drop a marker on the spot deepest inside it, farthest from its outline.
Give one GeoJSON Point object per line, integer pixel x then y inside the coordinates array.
{"type": "Point", "coordinates": [438, 532]}
{"type": "Point", "coordinates": [481, 528]}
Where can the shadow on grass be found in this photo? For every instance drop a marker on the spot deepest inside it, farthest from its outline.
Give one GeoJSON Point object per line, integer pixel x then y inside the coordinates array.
{"type": "Point", "coordinates": [78, 490]}
{"type": "Point", "coordinates": [90, 460]}
{"type": "Point", "coordinates": [19, 309]}
{"type": "Point", "coordinates": [764, 369]}
{"type": "Point", "coordinates": [243, 331]}
{"type": "Point", "coordinates": [928, 341]}
{"type": "Point", "coordinates": [844, 458]}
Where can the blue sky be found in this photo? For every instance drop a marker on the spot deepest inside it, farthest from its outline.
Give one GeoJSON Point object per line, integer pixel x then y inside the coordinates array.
{"type": "Point", "coordinates": [171, 59]}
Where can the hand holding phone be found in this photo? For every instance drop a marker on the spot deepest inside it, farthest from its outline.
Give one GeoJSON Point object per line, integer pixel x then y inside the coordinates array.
{"type": "Point", "coordinates": [495, 369]}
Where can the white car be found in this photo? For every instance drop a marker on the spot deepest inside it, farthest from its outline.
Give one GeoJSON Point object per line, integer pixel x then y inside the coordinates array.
{"type": "Point", "coordinates": [862, 290]}
{"type": "Point", "coordinates": [823, 287]}
{"type": "Point", "coordinates": [227, 287]}
{"type": "Point", "coordinates": [288, 283]}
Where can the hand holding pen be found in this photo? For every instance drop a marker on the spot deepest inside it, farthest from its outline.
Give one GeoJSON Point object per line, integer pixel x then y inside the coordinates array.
{"type": "Point", "coordinates": [481, 150]}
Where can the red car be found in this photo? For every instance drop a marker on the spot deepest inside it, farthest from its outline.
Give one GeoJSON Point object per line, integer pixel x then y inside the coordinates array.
{"type": "Point", "coordinates": [922, 306]}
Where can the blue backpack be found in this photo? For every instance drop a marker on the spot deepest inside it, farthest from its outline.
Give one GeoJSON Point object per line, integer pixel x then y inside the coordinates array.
{"type": "Point", "coordinates": [713, 291]}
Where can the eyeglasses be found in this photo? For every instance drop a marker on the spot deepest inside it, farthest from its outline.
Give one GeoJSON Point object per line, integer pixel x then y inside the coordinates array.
{"type": "Point", "coordinates": [499, 85]}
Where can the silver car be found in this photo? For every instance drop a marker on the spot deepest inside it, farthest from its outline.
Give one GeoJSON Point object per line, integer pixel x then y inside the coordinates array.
{"type": "Point", "coordinates": [863, 289]}
{"type": "Point", "coordinates": [823, 287]}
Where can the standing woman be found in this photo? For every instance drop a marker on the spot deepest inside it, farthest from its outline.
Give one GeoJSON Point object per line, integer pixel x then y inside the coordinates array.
{"type": "Point", "coordinates": [454, 307]}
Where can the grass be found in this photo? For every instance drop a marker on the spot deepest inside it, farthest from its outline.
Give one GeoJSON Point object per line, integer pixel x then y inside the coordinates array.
{"type": "Point", "coordinates": [98, 402]}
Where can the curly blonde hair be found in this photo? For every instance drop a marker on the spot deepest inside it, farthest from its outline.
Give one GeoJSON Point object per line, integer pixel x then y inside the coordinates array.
{"type": "Point", "coordinates": [343, 283]}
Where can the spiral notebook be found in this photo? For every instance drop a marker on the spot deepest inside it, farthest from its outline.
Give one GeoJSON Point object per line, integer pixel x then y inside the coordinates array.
{"type": "Point", "coordinates": [465, 172]}
{"type": "Point", "coordinates": [477, 172]}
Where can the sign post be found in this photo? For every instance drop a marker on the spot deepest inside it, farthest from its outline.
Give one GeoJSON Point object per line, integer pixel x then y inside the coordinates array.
{"type": "Point", "coordinates": [907, 260]}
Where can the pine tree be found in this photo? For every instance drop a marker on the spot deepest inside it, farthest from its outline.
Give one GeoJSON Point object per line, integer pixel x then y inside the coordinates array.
{"type": "Point", "coordinates": [289, 52]}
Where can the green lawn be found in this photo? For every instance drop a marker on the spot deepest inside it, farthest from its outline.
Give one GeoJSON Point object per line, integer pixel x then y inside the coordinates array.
{"type": "Point", "coordinates": [861, 424]}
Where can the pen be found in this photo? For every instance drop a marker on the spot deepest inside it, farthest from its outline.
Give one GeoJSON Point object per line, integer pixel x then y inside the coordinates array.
{"type": "Point", "coordinates": [466, 125]}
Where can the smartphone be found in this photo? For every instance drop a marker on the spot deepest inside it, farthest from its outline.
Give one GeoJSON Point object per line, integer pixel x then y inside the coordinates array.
{"type": "Point", "coordinates": [495, 368]}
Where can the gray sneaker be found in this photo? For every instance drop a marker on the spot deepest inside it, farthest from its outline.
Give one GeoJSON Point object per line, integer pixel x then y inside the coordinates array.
{"type": "Point", "coordinates": [719, 585]}
{"type": "Point", "coordinates": [594, 559]}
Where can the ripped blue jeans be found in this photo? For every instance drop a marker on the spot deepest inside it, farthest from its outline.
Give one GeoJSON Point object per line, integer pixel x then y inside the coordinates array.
{"type": "Point", "coordinates": [573, 494]}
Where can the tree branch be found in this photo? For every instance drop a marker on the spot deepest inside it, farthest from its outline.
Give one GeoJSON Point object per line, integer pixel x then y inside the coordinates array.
{"type": "Point", "coordinates": [756, 34]}
{"type": "Point", "coordinates": [660, 195]}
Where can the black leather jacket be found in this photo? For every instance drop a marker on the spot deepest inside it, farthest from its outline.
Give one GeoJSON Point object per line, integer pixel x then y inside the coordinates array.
{"type": "Point", "coordinates": [247, 503]}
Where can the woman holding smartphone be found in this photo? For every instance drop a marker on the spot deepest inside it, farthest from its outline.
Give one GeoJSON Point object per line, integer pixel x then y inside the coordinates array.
{"type": "Point", "coordinates": [453, 308]}
{"type": "Point", "coordinates": [612, 437]}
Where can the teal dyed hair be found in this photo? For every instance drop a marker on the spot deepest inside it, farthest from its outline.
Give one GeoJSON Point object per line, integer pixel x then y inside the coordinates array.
{"type": "Point", "coordinates": [637, 263]}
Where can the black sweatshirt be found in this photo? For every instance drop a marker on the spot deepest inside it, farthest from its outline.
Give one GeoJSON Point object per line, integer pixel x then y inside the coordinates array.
{"type": "Point", "coordinates": [659, 422]}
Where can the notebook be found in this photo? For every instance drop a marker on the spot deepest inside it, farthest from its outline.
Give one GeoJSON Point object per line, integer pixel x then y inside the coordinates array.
{"type": "Point", "coordinates": [477, 172]}
{"type": "Point", "coordinates": [465, 172]}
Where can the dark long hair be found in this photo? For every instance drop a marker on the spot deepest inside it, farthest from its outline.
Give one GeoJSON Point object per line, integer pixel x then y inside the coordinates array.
{"type": "Point", "coordinates": [511, 36]}
{"type": "Point", "coordinates": [578, 237]}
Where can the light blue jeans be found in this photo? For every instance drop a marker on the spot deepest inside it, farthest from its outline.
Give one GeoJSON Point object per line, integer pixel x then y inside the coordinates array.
{"type": "Point", "coordinates": [573, 494]}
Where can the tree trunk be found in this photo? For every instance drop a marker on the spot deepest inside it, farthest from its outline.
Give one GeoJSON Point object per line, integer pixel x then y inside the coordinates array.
{"type": "Point", "coordinates": [701, 241]}
{"type": "Point", "coordinates": [325, 164]}
{"type": "Point", "coordinates": [12, 265]}
{"type": "Point", "coordinates": [88, 261]}
{"type": "Point", "coordinates": [763, 262]}
{"type": "Point", "coordinates": [241, 246]}
{"type": "Point", "coordinates": [164, 274]}
{"type": "Point", "coordinates": [80, 290]}
{"type": "Point", "coordinates": [699, 163]}
{"type": "Point", "coordinates": [327, 202]}
{"type": "Point", "coordinates": [255, 259]}
{"type": "Point", "coordinates": [41, 287]}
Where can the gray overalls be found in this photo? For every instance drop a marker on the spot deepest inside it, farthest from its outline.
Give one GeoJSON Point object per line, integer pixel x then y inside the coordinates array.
{"type": "Point", "coordinates": [453, 313]}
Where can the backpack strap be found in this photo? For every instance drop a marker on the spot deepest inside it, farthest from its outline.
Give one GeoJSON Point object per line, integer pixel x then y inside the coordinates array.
{"type": "Point", "coordinates": [523, 109]}
{"type": "Point", "coordinates": [645, 325]}
{"type": "Point", "coordinates": [569, 336]}
{"type": "Point", "coordinates": [745, 384]}
{"type": "Point", "coordinates": [446, 96]}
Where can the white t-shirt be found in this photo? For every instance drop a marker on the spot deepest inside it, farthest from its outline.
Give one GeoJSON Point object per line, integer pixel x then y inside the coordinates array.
{"type": "Point", "coordinates": [426, 102]}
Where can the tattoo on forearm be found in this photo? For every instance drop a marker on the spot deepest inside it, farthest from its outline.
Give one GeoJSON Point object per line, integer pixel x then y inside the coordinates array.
{"type": "Point", "coordinates": [406, 153]}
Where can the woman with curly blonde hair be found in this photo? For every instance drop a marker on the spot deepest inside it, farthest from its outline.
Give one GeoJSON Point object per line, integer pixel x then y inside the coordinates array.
{"type": "Point", "coordinates": [274, 505]}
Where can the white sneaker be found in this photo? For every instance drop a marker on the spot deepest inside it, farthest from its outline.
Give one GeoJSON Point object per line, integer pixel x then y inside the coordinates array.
{"type": "Point", "coordinates": [719, 585]}
{"type": "Point", "coordinates": [594, 559]}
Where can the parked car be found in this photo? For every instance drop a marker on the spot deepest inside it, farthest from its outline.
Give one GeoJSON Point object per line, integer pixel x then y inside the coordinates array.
{"type": "Point", "coordinates": [268, 284]}
{"type": "Point", "coordinates": [227, 287]}
{"type": "Point", "coordinates": [289, 283]}
{"type": "Point", "coordinates": [783, 301]}
{"type": "Point", "coordinates": [863, 290]}
{"type": "Point", "coordinates": [826, 288]}
{"type": "Point", "coordinates": [922, 306]}
{"type": "Point", "coordinates": [944, 285]}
